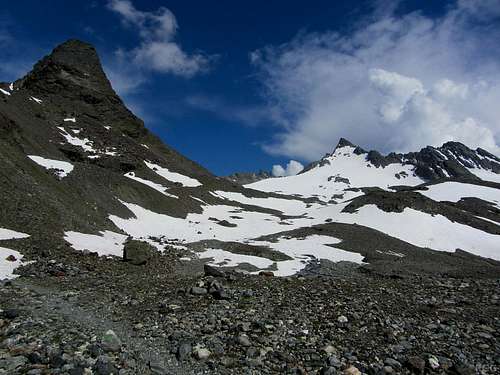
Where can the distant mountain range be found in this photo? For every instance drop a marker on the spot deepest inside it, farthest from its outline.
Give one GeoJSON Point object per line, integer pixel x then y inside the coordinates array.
{"type": "Point", "coordinates": [81, 172]}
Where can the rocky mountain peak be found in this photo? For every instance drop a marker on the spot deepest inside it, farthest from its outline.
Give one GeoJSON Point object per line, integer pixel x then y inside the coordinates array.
{"type": "Point", "coordinates": [344, 143]}
{"type": "Point", "coordinates": [72, 63]}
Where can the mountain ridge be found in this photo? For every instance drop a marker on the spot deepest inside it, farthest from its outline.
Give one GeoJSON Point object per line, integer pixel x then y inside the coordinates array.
{"type": "Point", "coordinates": [80, 168]}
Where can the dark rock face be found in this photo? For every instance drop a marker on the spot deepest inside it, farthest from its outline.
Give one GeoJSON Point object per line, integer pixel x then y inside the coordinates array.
{"type": "Point", "coordinates": [73, 63]}
{"type": "Point", "coordinates": [138, 252]}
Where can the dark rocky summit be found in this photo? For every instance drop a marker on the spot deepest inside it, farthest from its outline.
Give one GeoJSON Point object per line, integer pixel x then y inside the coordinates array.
{"type": "Point", "coordinates": [244, 178]}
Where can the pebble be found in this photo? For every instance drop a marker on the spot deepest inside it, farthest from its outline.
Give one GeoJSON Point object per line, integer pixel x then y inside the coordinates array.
{"type": "Point", "coordinates": [198, 291]}
{"type": "Point", "coordinates": [110, 342]}
{"type": "Point", "coordinates": [433, 362]}
{"type": "Point", "coordinates": [351, 370]}
{"type": "Point", "coordinates": [184, 351]}
{"type": "Point", "coordinates": [243, 340]}
{"type": "Point", "coordinates": [202, 353]}
{"type": "Point", "coordinates": [342, 319]}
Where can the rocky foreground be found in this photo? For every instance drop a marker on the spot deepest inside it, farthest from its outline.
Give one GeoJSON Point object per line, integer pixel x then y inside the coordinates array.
{"type": "Point", "coordinates": [75, 313]}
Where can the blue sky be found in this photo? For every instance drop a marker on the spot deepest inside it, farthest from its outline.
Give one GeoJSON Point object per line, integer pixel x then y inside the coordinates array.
{"type": "Point", "coordinates": [242, 86]}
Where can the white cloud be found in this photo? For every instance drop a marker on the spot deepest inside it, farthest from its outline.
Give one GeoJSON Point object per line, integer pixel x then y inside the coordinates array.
{"type": "Point", "coordinates": [157, 50]}
{"type": "Point", "coordinates": [292, 168]}
{"type": "Point", "coordinates": [396, 83]}
{"type": "Point", "coordinates": [449, 89]}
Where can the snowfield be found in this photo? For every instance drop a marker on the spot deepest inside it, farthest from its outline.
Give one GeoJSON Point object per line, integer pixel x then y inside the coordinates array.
{"type": "Point", "coordinates": [454, 191]}
{"type": "Point", "coordinates": [435, 232]}
{"type": "Point", "coordinates": [303, 249]}
{"type": "Point", "coordinates": [425, 230]}
{"type": "Point", "coordinates": [343, 169]}
{"type": "Point", "coordinates": [238, 217]}
{"type": "Point", "coordinates": [287, 206]}
{"type": "Point", "coordinates": [485, 174]}
{"type": "Point", "coordinates": [300, 249]}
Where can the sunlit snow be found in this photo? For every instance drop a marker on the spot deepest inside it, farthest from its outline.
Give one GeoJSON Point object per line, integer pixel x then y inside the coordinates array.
{"type": "Point", "coordinates": [9, 259]}
{"type": "Point", "coordinates": [7, 267]}
{"type": "Point", "coordinates": [62, 168]}
{"type": "Point", "coordinates": [485, 174]}
{"type": "Point", "coordinates": [8, 234]}
{"type": "Point", "coordinates": [84, 143]}
{"type": "Point", "coordinates": [39, 101]}
{"type": "Point", "coordinates": [454, 191]}
{"type": "Point", "coordinates": [107, 243]}
{"type": "Point", "coordinates": [344, 169]}
{"type": "Point", "coordinates": [173, 176]}
{"type": "Point", "coordinates": [303, 249]}
{"type": "Point", "coordinates": [162, 189]}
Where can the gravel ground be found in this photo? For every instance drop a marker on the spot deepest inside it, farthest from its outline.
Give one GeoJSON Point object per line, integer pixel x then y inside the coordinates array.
{"type": "Point", "coordinates": [80, 314]}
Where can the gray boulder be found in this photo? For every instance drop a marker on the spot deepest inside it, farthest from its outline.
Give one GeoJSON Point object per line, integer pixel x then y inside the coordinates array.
{"type": "Point", "coordinates": [138, 252]}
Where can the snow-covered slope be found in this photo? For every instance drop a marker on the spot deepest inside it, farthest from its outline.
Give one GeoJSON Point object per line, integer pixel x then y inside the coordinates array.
{"type": "Point", "coordinates": [343, 169]}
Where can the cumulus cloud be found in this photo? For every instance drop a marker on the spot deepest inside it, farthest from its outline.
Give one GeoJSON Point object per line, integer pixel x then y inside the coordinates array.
{"type": "Point", "coordinates": [158, 51]}
{"type": "Point", "coordinates": [292, 168]}
{"type": "Point", "coordinates": [395, 83]}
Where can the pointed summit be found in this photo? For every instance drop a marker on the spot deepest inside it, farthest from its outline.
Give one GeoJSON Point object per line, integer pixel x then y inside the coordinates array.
{"type": "Point", "coordinates": [72, 63]}
{"type": "Point", "coordinates": [344, 143]}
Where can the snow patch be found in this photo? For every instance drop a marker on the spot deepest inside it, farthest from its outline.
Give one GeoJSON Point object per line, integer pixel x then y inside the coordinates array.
{"type": "Point", "coordinates": [288, 206]}
{"type": "Point", "coordinates": [392, 253]}
{"type": "Point", "coordinates": [228, 259]}
{"type": "Point", "coordinates": [5, 92]}
{"type": "Point", "coordinates": [62, 168]}
{"type": "Point", "coordinates": [307, 248]}
{"type": "Point", "coordinates": [84, 143]}
{"type": "Point", "coordinates": [70, 119]}
{"type": "Point", "coordinates": [105, 244]}
{"type": "Point", "coordinates": [162, 189]}
{"type": "Point", "coordinates": [7, 267]}
{"type": "Point", "coordinates": [8, 234]}
{"type": "Point", "coordinates": [173, 176]}
{"type": "Point", "coordinates": [36, 100]}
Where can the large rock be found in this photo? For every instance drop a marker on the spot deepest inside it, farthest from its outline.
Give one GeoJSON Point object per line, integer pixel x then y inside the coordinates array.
{"type": "Point", "coordinates": [110, 342]}
{"type": "Point", "coordinates": [138, 252]}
